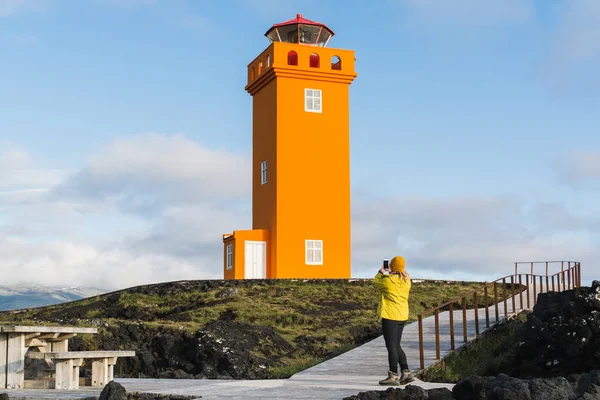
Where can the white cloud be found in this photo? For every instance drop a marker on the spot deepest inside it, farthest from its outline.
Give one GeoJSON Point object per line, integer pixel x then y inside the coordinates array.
{"type": "Point", "coordinates": [145, 172]}
{"type": "Point", "coordinates": [473, 12]}
{"type": "Point", "coordinates": [18, 172]}
{"type": "Point", "coordinates": [12, 7]}
{"type": "Point", "coordinates": [471, 238]}
{"type": "Point", "coordinates": [65, 262]}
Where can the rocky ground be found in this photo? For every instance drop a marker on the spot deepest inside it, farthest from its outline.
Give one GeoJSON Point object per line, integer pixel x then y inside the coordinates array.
{"type": "Point", "coordinates": [224, 348]}
{"type": "Point", "coordinates": [201, 329]}
{"type": "Point", "coordinates": [557, 355]}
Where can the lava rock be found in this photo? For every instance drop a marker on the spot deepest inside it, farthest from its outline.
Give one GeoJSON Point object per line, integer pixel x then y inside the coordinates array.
{"type": "Point", "coordinates": [409, 392]}
{"type": "Point", "coordinates": [561, 335]}
{"type": "Point", "coordinates": [113, 391]}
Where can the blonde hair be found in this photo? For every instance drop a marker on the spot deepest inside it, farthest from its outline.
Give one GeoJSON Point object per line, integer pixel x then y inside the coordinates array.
{"type": "Point", "coordinates": [403, 275]}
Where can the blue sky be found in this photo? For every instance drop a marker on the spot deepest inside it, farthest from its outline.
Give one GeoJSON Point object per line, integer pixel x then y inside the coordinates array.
{"type": "Point", "coordinates": [474, 134]}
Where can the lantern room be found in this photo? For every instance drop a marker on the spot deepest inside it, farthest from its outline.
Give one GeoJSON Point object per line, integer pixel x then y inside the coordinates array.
{"type": "Point", "coordinates": [301, 31]}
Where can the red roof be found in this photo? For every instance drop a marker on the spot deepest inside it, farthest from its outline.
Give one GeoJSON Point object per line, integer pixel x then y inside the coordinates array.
{"type": "Point", "coordinates": [299, 20]}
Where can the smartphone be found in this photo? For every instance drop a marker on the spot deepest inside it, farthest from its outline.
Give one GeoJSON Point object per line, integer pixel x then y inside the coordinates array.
{"type": "Point", "coordinates": [386, 264]}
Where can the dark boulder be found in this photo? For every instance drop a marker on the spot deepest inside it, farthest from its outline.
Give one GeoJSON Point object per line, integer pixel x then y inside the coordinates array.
{"type": "Point", "coordinates": [469, 387]}
{"type": "Point", "coordinates": [409, 392]}
{"type": "Point", "coordinates": [113, 391]}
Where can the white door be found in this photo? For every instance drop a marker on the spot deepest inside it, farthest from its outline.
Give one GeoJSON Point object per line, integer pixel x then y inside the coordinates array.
{"type": "Point", "coordinates": [255, 265]}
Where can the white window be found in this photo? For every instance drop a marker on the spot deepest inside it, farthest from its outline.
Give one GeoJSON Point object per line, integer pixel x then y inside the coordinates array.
{"type": "Point", "coordinates": [229, 256]}
{"type": "Point", "coordinates": [263, 172]}
{"type": "Point", "coordinates": [314, 252]}
{"type": "Point", "coordinates": [313, 100]}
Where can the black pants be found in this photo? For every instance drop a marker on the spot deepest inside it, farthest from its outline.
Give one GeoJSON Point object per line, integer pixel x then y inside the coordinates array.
{"type": "Point", "coordinates": [392, 333]}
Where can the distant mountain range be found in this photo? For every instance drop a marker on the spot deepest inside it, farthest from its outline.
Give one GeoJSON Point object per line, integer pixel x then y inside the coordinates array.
{"type": "Point", "coordinates": [29, 296]}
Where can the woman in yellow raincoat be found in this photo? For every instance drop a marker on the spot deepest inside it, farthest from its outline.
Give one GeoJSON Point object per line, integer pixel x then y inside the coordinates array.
{"type": "Point", "coordinates": [394, 285]}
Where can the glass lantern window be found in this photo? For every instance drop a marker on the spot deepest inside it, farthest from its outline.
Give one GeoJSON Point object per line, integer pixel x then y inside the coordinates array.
{"type": "Point", "coordinates": [323, 38]}
{"type": "Point", "coordinates": [309, 34]}
{"type": "Point", "coordinates": [272, 36]}
{"type": "Point", "coordinates": [289, 33]}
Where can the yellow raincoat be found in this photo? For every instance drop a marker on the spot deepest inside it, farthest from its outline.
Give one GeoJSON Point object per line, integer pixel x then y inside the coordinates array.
{"type": "Point", "coordinates": [394, 296]}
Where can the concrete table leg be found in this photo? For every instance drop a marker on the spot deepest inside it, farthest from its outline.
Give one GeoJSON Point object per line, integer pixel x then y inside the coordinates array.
{"type": "Point", "coordinates": [3, 355]}
{"type": "Point", "coordinates": [15, 361]}
{"type": "Point", "coordinates": [99, 372]}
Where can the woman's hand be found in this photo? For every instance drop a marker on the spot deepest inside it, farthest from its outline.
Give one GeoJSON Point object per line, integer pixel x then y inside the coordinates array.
{"type": "Point", "coordinates": [382, 270]}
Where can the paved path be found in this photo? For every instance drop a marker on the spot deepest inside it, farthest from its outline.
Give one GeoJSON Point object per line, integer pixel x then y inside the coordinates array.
{"type": "Point", "coordinates": [347, 374]}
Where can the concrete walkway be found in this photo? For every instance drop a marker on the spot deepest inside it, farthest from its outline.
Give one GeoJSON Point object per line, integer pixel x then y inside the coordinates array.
{"type": "Point", "coordinates": [355, 371]}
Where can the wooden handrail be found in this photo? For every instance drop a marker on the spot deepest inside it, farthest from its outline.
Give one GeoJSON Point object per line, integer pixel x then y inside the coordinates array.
{"type": "Point", "coordinates": [571, 280]}
{"type": "Point", "coordinates": [432, 309]}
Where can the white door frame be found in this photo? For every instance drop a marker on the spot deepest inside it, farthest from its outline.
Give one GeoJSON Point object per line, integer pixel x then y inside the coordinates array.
{"type": "Point", "coordinates": [250, 273]}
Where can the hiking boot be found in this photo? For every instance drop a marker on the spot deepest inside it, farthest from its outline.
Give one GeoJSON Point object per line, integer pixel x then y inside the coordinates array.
{"type": "Point", "coordinates": [391, 380]}
{"type": "Point", "coordinates": [406, 377]}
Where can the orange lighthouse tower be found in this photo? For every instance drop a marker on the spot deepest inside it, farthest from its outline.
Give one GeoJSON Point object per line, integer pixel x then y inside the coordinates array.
{"type": "Point", "coordinates": [300, 159]}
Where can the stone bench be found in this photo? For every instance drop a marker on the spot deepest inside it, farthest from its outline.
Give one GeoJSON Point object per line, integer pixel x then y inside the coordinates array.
{"type": "Point", "coordinates": [68, 362]}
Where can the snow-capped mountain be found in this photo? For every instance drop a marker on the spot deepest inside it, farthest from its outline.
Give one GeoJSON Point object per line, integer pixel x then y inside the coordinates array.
{"type": "Point", "coordinates": [28, 296]}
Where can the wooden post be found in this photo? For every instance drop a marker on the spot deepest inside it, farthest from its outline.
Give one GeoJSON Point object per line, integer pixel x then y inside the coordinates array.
{"type": "Point", "coordinates": [475, 309]}
{"type": "Point", "coordinates": [437, 334]}
{"type": "Point", "coordinates": [512, 291]}
{"type": "Point", "coordinates": [421, 355]}
{"type": "Point", "coordinates": [531, 268]}
{"type": "Point", "coordinates": [528, 291]}
{"type": "Point", "coordinates": [451, 325]}
{"type": "Point", "coordinates": [496, 299]}
{"type": "Point", "coordinates": [520, 292]}
{"type": "Point", "coordinates": [486, 305]}
{"type": "Point", "coordinates": [464, 309]}
{"type": "Point", "coordinates": [504, 297]}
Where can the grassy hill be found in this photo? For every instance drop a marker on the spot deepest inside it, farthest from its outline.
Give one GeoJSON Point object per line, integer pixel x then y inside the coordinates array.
{"type": "Point", "coordinates": [232, 329]}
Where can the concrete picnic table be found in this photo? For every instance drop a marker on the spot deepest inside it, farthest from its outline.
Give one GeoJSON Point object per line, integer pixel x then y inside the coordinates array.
{"type": "Point", "coordinates": [15, 340]}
